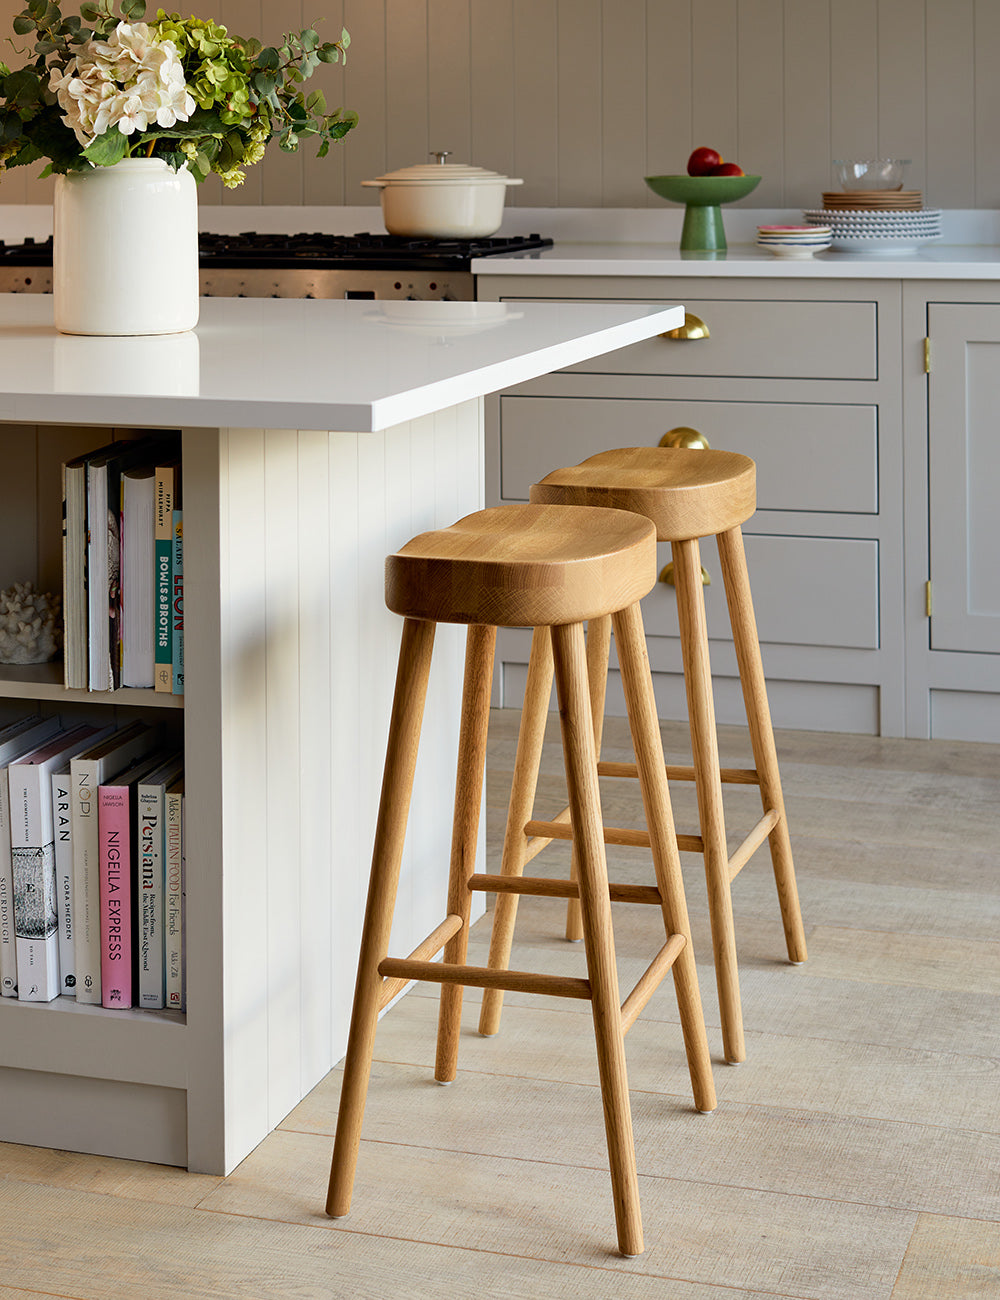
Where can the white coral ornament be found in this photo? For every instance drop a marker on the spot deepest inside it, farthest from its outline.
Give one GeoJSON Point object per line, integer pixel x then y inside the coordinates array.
{"type": "Point", "coordinates": [30, 625]}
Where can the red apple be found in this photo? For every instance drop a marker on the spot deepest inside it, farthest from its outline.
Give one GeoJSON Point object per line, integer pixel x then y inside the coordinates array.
{"type": "Point", "coordinates": [703, 160]}
{"type": "Point", "coordinates": [727, 169]}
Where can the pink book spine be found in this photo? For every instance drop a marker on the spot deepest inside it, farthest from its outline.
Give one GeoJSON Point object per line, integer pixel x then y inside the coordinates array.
{"type": "Point", "coordinates": [116, 888]}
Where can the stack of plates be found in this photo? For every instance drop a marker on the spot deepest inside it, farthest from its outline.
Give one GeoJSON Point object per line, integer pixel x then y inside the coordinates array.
{"type": "Point", "coordinates": [869, 231]}
{"type": "Point", "coordinates": [873, 200]}
{"type": "Point", "coordinates": [794, 241]}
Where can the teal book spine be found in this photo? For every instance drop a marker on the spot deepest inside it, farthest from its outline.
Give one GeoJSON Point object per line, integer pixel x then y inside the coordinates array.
{"type": "Point", "coordinates": [163, 552]}
{"type": "Point", "coordinates": [177, 604]}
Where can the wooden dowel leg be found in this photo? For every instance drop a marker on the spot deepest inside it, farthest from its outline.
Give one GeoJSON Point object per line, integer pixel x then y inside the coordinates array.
{"type": "Point", "coordinates": [704, 743]}
{"type": "Point", "coordinates": [598, 653]}
{"type": "Point", "coordinates": [531, 736]}
{"type": "Point", "coordinates": [581, 775]}
{"type": "Point", "coordinates": [637, 683]}
{"type": "Point", "coordinates": [732, 557]}
{"type": "Point", "coordinates": [390, 833]}
{"type": "Point", "coordinates": [480, 643]}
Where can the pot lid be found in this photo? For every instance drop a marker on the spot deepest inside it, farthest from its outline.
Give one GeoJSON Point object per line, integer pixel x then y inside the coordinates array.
{"type": "Point", "coordinates": [443, 172]}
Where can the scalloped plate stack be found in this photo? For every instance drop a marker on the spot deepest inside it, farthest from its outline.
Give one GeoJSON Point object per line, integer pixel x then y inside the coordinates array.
{"type": "Point", "coordinates": [871, 231]}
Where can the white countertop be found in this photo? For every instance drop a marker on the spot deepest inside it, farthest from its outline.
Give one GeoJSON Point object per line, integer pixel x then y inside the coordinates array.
{"type": "Point", "coordinates": [932, 262]}
{"type": "Point", "coordinates": [300, 363]}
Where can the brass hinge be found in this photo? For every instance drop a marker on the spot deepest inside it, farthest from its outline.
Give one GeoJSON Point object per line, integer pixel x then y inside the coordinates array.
{"type": "Point", "coordinates": [927, 356]}
{"type": "Point", "coordinates": [927, 598]}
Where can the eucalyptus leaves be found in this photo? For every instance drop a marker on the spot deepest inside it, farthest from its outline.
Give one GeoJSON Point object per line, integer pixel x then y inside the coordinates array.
{"type": "Point", "coordinates": [184, 90]}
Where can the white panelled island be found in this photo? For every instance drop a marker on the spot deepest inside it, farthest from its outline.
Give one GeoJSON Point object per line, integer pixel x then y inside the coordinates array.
{"type": "Point", "coordinates": [317, 437]}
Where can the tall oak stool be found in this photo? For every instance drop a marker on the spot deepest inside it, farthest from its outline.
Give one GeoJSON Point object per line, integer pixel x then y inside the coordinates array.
{"type": "Point", "coordinates": [535, 566]}
{"type": "Point", "coordinates": [688, 495]}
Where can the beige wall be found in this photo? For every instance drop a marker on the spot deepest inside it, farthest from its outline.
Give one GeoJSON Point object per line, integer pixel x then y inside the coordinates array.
{"type": "Point", "coordinates": [582, 98]}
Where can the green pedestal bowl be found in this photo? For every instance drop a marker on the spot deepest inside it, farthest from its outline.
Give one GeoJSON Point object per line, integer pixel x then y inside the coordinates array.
{"type": "Point", "coordinates": [702, 197]}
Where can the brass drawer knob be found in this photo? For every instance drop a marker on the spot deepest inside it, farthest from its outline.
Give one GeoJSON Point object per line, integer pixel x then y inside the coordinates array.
{"type": "Point", "coordinates": [667, 575]}
{"type": "Point", "coordinates": [683, 436]}
{"type": "Point", "coordinates": [693, 328]}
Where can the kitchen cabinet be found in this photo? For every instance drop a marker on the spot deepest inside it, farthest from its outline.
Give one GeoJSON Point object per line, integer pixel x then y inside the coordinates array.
{"type": "Point", "coordinates": [806, 379]}
{"type": "Point", "coordinates": [953, 460]}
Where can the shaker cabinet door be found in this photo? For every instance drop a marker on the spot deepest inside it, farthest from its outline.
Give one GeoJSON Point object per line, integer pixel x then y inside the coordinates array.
{"type": "Point", "coordinates": [964, 468]}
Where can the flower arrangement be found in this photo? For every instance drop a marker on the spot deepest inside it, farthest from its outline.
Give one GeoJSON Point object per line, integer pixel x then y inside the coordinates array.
{"type": "Point", "coordinates": [181, 89]}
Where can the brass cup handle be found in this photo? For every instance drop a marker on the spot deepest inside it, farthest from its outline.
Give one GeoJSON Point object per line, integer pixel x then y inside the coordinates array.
{"type": "Point", "coordinates": [693, 328]}
{"type": "Point", "coordinates": [683, 436]}
{"type": "Point", "coordinates": [667, 575]}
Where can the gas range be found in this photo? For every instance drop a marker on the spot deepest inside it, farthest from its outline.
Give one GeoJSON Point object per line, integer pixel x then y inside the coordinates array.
{"type": "Point", "coordinates": [252, 265]}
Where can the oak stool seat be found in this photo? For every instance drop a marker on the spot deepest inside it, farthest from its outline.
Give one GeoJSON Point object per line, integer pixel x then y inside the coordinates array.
{"type": "Point", "coordinates": [552, 567]}
{"type": "Point", "coordinates": [688, 493]}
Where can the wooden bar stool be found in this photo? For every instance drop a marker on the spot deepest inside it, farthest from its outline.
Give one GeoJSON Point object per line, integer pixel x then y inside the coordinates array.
{"type": "Point", "coordinates": [536, 566]}
{"type": "Point", "coordinates": [688, 494]}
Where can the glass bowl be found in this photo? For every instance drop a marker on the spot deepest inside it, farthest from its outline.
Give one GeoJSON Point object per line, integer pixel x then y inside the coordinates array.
{"type": "Point", "coordinates": [870, 173]}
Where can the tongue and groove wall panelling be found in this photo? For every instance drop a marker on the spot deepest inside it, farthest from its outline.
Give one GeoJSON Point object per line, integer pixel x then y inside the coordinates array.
{"type": "Point", "coordinates": [715, 104]}
{"type": "Point", "coordinates": [760, 88]}
{"type": "Point", "coordinates": [579, 159]}
{"type": "Point", "coordinates": [902, 87]}
{"type": "Point", "coordinates": [364, 91]}
{"type": "Point", "coordinates": [986, 138]}
{"type": "Point", "coordinates": [951, 159]}
{"type": "Point", "coordinates": [491, 66]}
{"type": "Point", "coordinates": [406, 84]}
{"type": "Point", "coordinates": [807, 101]}
{"type": "Point", "coordinates": [668, 86]}
{"type": "Point", "coordinates": [449, 97]}
{"type": "Point", "coordinates": [278, 177]}
{"type": "Point", "coordinates": [623, 39]}
{"type": "Point", "coordinates": [854, 80]}
{"type": "Point", "coordinates": [536, 103]}
{"type": "Point", "coordinates": [323, 178]}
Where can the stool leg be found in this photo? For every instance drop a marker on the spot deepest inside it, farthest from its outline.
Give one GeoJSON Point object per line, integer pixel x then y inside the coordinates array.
{"type": "Point", "coordinates": [527, 762]}
{"type": "Point", "coordinates": [390, 833]}
{"type": "Point", "coordinates": [480, 644]}
{"type": "Point", "coordinates": [598, 653]}
{"type": "Point", "coordinates": [732, 557]}
{"type": "Point", "coordinates": [705, 747]}
{"type": "Point", "coordinates": [585, 809]}
{"type": "Point", "coordinates": [633, 660]}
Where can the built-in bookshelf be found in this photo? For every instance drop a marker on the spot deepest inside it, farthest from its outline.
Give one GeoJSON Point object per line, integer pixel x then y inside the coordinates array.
{"type": "Point", "coordinates": [289, 665]}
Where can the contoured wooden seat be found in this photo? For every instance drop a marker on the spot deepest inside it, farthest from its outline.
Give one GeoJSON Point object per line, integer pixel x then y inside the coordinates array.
{"type": "Point", "coordinates": [688, 494]}
{"type": "Point", "coordinates": [553, 567]}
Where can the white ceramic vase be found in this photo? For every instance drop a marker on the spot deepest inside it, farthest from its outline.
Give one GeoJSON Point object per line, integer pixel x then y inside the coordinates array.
{"type": "Point", "coordinates": [125, 250]}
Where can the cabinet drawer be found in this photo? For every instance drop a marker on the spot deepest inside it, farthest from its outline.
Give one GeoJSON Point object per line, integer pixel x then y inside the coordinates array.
{"type": "Point", "coordinates": [815, 591]}
{"type": "Point", "coordinates": [759, 340]}
{"type": "Point", "coordinates": [809, 457]}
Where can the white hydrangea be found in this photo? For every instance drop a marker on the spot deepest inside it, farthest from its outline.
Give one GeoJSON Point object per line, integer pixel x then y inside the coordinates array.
{"type": "Point", "coordinates": [131, 81]}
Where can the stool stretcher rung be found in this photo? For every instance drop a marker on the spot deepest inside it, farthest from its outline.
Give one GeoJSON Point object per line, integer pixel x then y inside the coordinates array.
{"type": "Point", "coordinates": [511, 981]}
{"type": "Point", "coordinates": [430, 947]}
{"type": "Point", "coordinates": [544, 887]}
{"type": "Point", "coordinates": [675, 772]}
{"type": "Point", "coordinates": [534, 846]}
{"type": "Point", "coordinates": [753, 842]}
{"type": "Point", "coordinates": [650, 981]}
{"type": "Point", "coordinates": [622, 836]}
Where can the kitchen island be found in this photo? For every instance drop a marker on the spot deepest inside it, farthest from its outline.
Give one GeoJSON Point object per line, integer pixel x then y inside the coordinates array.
{"type": "Point", "coordinates": [317, 437]}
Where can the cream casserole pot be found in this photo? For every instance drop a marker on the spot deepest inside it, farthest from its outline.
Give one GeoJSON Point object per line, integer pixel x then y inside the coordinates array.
{"type": "Point", "coordinates": [442, 200]}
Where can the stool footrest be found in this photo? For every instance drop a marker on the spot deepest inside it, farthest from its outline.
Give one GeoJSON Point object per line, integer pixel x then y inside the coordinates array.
{"type": "Point", "coordinates": [430, 947]}
{"type": "Point", "coordinates": [511, 981]}
{"type": "Point", "coordinates": [622, 836]}
{"type": "Point", "coordinates": [753, 842]}
{"type": "Point", "coordinates": [543, 887]}
{"type": "Point", "coordinates": [675, 772]}
{"type": "Point", "coordinates": [650, 981]}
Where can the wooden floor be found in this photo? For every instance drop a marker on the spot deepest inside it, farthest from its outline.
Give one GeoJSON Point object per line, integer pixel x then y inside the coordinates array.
{"type": "Point", "coordinates": [854, 1156]}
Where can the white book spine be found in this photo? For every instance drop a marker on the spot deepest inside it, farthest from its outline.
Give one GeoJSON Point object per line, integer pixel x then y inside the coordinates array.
{"type": "Point", "coordinates": [174, 908]}
{"type": "Point", "coordinates": [62, 827]}
{"type": "Point", "coordinates": [150, 900]}
{"type": "Point", "coordinates": [35, 927]}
